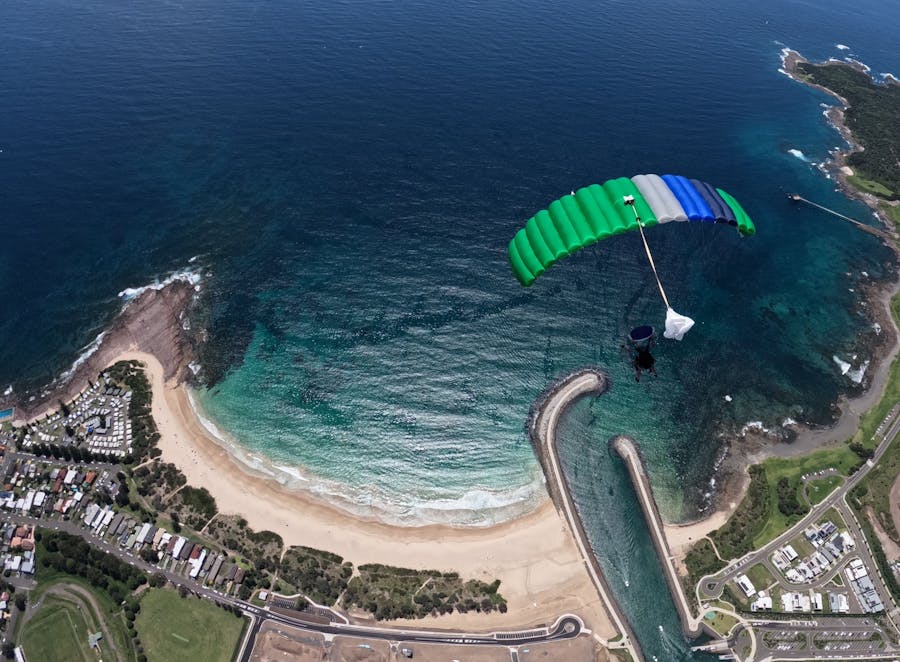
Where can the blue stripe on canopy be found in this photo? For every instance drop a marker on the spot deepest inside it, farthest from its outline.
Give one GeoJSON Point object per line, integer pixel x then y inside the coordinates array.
{"type": "Point", "coordinates": [720, 209]}
{"type": "Point", "coordinates": [694, 204]}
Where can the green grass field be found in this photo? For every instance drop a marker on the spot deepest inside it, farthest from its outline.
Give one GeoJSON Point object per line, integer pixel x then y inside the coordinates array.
{"type": "Point", "coordinates": [760, 577]}
{"type": "Point", "coordinates": [892, 211]}
{"type": "Point", "coordinates": [841, 458]}
{"type": "Point", "coordinates": [58, 631]}
{"type": "Point", "coordinates": [817, 490]}
{"type": "Point", "coordinates": [870, 186]}
{"type": "Point", "coordinates": [51, 580]}
{"type": "Point", "coordinates": [175, 628]}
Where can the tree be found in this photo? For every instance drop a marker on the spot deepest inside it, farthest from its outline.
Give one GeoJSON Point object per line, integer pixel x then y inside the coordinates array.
{"type": "Point", "coordinates": [9, 649]}
{"type": "Point", "coordinates": [21, 602]}
{"type": "Point", "coordinates": [149, 555]}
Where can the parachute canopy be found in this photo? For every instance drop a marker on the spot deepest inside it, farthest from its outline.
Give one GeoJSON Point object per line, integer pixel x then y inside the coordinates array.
{"type": "Point", "coordinates": [597, 211]}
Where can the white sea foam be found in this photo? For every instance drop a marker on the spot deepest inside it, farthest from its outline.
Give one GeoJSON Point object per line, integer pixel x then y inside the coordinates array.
{"type": "Point", "coordinates": [187, 276]}
{"type": "Point", "coordinates": [86, 352]}
{"type": "Point", "coordinates": [798, 154]}
{"type": "Point", "coordinates": [854, 375]}
{"type": "Point", "coordinates": [291, 471]}
{"type": "Point", "coordinates": [864, 66]}
{"type": "Point", "coordinates": [843, 365]}
{"type": "Point", "coordinates": [9, 390]}
{"type": "Point", "coordinates": [476, 508]}
{"type": "Point", "coordinates": [842, 47]}
{"type": "Point", "coordinates": [754, 426]}
{"type": "Point", "coordinates": [128, 294]}
{"type": "Point", "coordinates": [788, 422]}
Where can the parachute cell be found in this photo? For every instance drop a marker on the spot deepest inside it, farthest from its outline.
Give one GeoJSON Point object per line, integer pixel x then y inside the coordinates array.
{"type": "Point", "coordinates": [597, 212]}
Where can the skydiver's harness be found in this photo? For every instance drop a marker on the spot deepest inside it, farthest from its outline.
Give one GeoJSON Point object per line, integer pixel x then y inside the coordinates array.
{"type": "Point", "coordinates": [676, 325]}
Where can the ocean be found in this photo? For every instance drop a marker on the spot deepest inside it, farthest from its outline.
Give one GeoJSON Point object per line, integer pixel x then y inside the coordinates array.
{"type": "Point", "coordinates": [345, 176]}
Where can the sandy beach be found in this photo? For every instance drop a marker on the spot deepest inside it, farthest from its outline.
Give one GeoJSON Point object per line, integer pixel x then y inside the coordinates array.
{"type": "Point", "coordinates": [534, 556]}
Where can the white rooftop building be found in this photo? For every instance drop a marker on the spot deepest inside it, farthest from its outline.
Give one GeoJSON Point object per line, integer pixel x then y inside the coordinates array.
{"type": "Point", "coordinates": [746, 585]}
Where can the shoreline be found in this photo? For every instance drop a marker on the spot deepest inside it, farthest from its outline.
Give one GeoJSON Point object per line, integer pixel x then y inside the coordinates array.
{"type": "Point", "coordinates": [153, 322]}
{"type": "Point", "coordinates": [755, 448]}
{"type": "Point", "coordinates": [836, 165]}
{"type": "Point", "coordinates": [534, 556]}
{"type": "Point", "coordinates": [359, 502]}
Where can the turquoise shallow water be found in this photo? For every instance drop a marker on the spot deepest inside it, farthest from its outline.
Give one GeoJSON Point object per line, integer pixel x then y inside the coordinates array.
{"type": "Point", "coordinates": [347, 175]}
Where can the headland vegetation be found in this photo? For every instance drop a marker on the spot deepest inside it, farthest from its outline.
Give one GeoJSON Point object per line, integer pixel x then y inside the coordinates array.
{"type": "Point", "coordinates": [866, 118]}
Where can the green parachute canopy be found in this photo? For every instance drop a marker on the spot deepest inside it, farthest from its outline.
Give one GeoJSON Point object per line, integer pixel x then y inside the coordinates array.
{"type": "Point", "coordinates": [598, 211]}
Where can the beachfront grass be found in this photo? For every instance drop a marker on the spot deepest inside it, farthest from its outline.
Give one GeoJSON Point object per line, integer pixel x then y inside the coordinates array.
{"type": "Point", "coordinates": [722, 623]}
{"type": "Point", "coordinates": [621, 654]}
{"type": "Point", "coordinates": [870, 421]}
{"type": "Point", "coordinates": [176, 628]}
{"type": "Point", "coordinates": [892, 212]}
{"type": "Point", "coordinates": [700, 561]}
{"type": "Point", "coordinates": [318, 574]}
{"type": "Point", "coordinates": [767, 509]}
{"type": "Point", "coordinates": [870, 186]}
{"type": "Point", "coordinates": [841, 459]}
{"type": "Point", "coordinates": [818, 490]}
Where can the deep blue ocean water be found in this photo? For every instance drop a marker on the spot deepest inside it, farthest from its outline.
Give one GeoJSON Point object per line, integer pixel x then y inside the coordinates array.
{"type": "Point", "coordinates": [346, 176]}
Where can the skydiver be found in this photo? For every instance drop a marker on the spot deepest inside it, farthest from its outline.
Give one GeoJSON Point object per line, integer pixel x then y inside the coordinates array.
{"type": "Point", "coordinates": [643, 360]}
{"type": "Point", "coordinates": [641, 340]}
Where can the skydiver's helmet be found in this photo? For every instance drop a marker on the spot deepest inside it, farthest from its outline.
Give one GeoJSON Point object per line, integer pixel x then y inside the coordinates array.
{"type": "Point", "coordinates": [641, 338]}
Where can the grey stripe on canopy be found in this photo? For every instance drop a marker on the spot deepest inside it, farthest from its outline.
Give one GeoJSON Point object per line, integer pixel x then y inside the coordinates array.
{"type": "Point", "coordinates": [660, 198]}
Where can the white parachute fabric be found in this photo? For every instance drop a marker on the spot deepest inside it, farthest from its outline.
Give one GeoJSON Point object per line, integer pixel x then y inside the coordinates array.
{"type": "Point", "coordinates": [677, 325]}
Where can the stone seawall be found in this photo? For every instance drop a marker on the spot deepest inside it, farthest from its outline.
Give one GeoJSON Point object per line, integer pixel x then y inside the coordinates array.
{"type": "Point", "coordinates": [542, 422]}
{"type": "Point", "coordinates": [628, 450]}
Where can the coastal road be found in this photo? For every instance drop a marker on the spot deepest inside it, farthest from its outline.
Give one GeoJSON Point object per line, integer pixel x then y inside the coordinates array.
{"type": "Point", "coordinates": [566, 627]}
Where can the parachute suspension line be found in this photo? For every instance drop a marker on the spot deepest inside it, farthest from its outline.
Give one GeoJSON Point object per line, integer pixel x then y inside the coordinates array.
{"type": "Point", "coordinates": [629, 201]}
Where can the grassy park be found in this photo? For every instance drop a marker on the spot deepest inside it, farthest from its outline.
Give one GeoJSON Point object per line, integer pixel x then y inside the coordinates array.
{"type": "Point", "coordinates": [69, 610]}
{"type": "Point", "coordinates": [817, 490]}
{"type": "Point", "coordinates": [176, 628]}
{"type": "Point", "coordinates": [58, 631]}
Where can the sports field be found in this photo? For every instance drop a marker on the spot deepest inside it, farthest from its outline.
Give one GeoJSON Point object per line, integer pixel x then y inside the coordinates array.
{"type": "Point", "coordinates": [175, 628]}
{"type": "Point", "coordinates": [58, 631]}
